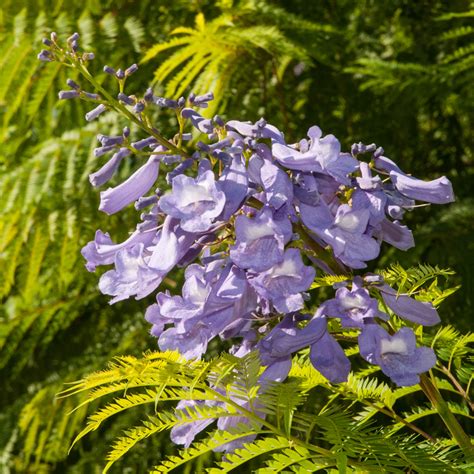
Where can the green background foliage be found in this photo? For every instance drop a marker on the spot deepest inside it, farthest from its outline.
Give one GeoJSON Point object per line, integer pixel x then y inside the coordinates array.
{"type": "Point", "coordinates": [398, 73]}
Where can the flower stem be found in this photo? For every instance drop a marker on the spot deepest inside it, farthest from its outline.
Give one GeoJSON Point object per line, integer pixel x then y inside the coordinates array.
{"type": "Point", "coordinates": [440, 405]}
{"type": "Point", "coordinates": [124, 111]}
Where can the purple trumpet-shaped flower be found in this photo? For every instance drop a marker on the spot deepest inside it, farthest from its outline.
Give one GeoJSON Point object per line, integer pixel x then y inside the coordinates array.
{"type": "Point", "coordinates": [260, 241]}
{"type": "Point", "coordinates": [437, 191]}
{"type": "Point", "coordinates": [419, 312]}
{"type": "Point", "coordinates": [396, 234]}
{"type": "Point", "coordinates": [202, 124]}
{"type": "Point", "coordinates": [354, 307]}
{"type": "Point", "coordinates": [114, 199]}
{"type": "Point", "coordinates": [283, 283]}
{"type": "Point", "coordinates": [172, 245]}
{"type": "Point", "coordinates": [397, 355]}
{"type": "Point", "coordinates": [319, 154]}
{"type": "Point", "coordinates": [285, 339]}
{"type": "Point", "coordinates": [345, 232]}
{"type": "Point", "coordinates": [328, 357]}
{"type": "Point", "coordinates": [196, 202]}
{"type": "Point", "coordinates": [214, 298]}
{"type": "Point", "coordinates": [102, 251]}
{"type": "Point", "coordinates": [131, 276]}
{"type": "Point", "coordinates": [261, 129]}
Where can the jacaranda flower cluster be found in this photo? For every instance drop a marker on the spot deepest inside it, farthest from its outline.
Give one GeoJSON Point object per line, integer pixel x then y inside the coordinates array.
{"type": "Point", "coordinates": [253, 219]}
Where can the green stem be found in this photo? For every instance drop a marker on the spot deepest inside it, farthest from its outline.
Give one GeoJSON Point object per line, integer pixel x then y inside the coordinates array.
{"type": "Point", "coordinates": [124, 111]}
{"type": "Point", "coordinates": [440, 405]}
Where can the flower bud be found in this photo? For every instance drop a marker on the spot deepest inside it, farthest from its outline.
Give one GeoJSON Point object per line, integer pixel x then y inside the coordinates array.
{"type": "Point", "coordinates": [145, 202]}
{"type": "Point", "coordinates": [45, 55]}
{"type": "Point", "coordinates": [73, 37]}
{"type": "Point", "coordinates": [109, 70]}
{"type": "Point", "coordinates": [378, 152]}
{"type": "Point", "coordinates": [130, 70]}
{"type": "Point", "coordinates": [91, 95]}
{"type": "Point", "coordinates": [94, 113]}
{"type": "Point", "coordinates": [144, 143]}
{"type": "Point", "coordinates": [139, 107]}
{"type": "Point", "coordinates": [125, 98]}
{"type": "Point", "coordinates": [68, 94]}
{"type": "Point", "coordinates": [148, 95]}
{"type": "Point", "coordinates": [72, 84]}
{"type": "Point", "coordinates": [163, 102]}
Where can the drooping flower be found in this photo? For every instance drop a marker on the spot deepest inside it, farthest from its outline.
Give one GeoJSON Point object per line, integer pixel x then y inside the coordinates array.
{"type": "Point", "coordinates": [139, 183]}
{"type": "Point", "coordinates": [397, 355]}
{"type": "Point", "coordinates": [420, 312]}
{"type": "Point", "coordinates": [437, 191]}
{"type": "Point", "coordinates": [329, 358]}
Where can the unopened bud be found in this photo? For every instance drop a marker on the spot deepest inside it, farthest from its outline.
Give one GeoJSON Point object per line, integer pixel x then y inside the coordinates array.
{"type": "Point", "coordinates": [109, 70]}
{"type": "Point", "coordinates": [68, 94]}
{"type": "Point", "coordinates": [130, 70]}
{"type": "Point", "coordinates": [72, 84]}
{"type": "Point", "coordinates": [88, 56]}
{"type": "Point", "coordinates": [94, 113]}
{"type": "Point", "coordinates": [73, 37]}
{"type": "Point", "coordinates": [139, 107]}
{"type": "Point", "coordinates": [125, 98]}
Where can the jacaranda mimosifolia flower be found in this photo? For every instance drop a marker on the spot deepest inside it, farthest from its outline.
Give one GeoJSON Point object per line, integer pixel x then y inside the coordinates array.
{"type": "Point", "coordinates": [397, 355]}
{"type": "Point", "coordinates": [249, 216]}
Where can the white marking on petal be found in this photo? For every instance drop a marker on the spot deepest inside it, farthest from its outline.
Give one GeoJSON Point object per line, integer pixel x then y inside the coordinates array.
{"type": "Point", "coordinates": [193, 193]}
{"type": "Point", "coordinates": [254, 231]}
{"type": "Point", "coordinates": [394, 346]}
{"type": "Point", "coordinates": [286, 268]}
{"type": "Point", "coordinates": [348, 222]}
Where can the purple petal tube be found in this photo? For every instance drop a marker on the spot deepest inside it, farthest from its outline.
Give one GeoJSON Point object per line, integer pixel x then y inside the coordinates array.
{"type": "Point", "coordinates": [114, 199]}
{"type": "Point", "coordinates": [234, 183]}
{"type": "Point", "coordinates": [202, 124]}
{"type": "Point", "coordinates": [103, 175]}
{"type": "Point", "coordinates": [419, 312]}
{"type": "Point", "coordinates": [398, 235]}
{"type": "Point", "coordinates": [438, 191]}
{"type": "Point", "coordinates": [328, 357]}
